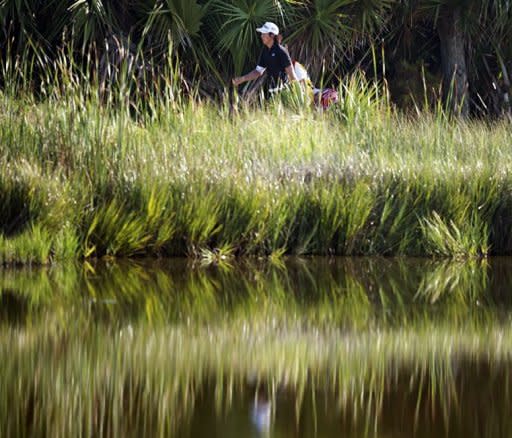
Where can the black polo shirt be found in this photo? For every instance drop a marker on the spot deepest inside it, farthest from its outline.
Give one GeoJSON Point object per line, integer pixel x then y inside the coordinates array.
{"type": "Point", "coordinates": [275, 60]}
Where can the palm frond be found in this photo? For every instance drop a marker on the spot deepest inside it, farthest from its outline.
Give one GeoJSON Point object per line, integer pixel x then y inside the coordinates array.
{"type": "Point", "coordinates": [321, 31]}
{"type": "Point", "coordinates": [239, 19]}
{"type": "Point", "coordinates": [92, 21]}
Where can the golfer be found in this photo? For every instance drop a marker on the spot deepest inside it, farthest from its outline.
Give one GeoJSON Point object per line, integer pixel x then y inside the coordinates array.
{"type": "Point", "coordinates": [274, 60]}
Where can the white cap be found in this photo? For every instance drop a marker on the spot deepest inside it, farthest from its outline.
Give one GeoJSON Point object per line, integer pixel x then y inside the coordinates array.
{"type": "Point", "coordinates": [268, 27]}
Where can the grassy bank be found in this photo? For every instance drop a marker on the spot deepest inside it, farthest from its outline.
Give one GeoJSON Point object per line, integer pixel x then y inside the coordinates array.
{"type": "Point", "coordinates": [86, 175]}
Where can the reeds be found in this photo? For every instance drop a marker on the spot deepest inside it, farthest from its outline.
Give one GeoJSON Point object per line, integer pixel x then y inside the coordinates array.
{"type": "Point", "coordinates": [133, 171]}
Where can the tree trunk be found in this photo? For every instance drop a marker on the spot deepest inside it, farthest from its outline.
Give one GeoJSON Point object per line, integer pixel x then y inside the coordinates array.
{"type": "Point", "coordinates": [453, 61]}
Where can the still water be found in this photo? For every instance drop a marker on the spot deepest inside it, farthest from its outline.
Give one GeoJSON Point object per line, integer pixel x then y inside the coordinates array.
{"type": "Point", "coordinates": [302, 348]}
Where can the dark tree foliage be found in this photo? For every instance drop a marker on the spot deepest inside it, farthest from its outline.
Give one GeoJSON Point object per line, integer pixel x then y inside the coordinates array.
{"type": "Point", "coordinates": [460, 50]}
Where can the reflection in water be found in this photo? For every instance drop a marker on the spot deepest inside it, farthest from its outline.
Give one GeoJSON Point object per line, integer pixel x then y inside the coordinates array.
{"type": "Point", "coordinates": [261, 413]}
{"type": "Point", "coordinates": [347, 293]}
{"type": "Point", "coordinates": [330, 347]}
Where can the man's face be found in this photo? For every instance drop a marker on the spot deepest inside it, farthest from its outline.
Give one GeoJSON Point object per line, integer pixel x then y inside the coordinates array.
{"type": "Point", "coordinates": [266, 39]}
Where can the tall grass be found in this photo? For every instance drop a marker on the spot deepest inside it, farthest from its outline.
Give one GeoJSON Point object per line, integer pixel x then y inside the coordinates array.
{"type": "Point", "coordinates": [133, 170]}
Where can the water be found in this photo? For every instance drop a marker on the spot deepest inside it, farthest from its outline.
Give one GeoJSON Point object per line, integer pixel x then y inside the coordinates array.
{"type": "Point", "coordinates": [306, 348]}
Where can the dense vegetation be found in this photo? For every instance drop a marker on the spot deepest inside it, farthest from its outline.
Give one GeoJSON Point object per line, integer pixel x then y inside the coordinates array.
{"type": "Point", "coordinates": [112, 141]}
{"type": "Point", "coordinates": [84, 173]}
{"type": "Point", "coordinates": [415, 44]}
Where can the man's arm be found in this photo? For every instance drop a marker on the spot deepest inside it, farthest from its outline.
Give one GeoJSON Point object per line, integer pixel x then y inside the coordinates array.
{"type": "Point", "coordinates": [286, 63]}
{"type": "Point", "coordinates": [255, 74]}
{"type": "Point", "coordinates": [290, 71]}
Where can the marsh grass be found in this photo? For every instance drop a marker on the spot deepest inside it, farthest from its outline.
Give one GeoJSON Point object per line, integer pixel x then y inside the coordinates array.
{"type": "Point", "coordinates": [149, 171]}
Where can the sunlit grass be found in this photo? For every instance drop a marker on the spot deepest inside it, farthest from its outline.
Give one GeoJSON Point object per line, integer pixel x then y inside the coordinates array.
{"type": "Point", "coordinates": [160, 174]}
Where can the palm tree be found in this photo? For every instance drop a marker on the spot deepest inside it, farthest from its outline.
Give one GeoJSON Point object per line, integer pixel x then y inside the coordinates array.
{"type": "Point", "coordinates": [178, 21]}
{"type": "Point", "coordinates": [36, 22]}
{"type": "Point", "coordinates": [320, 32]}
{"type": "Point", "coordinates": [470, 41]}
{"type": "Point", "coordinates": [490, 54]}
{"type": "Point", "coordinates": [463, 28]}
{"type": "Point", "coordinates": [327, 33]}
{"type": "Point", "coordinates": [233, 24]}
{"type": "Point", "coordinates": [91, 21]}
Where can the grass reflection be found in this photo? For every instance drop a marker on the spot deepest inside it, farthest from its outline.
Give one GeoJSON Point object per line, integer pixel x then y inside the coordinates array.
{"type": "Point", "coordinates": [133, 348]}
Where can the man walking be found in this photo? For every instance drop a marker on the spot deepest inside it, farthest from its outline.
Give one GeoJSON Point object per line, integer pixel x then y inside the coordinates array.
{"type": "Point", "coordinates": [274, 60]}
